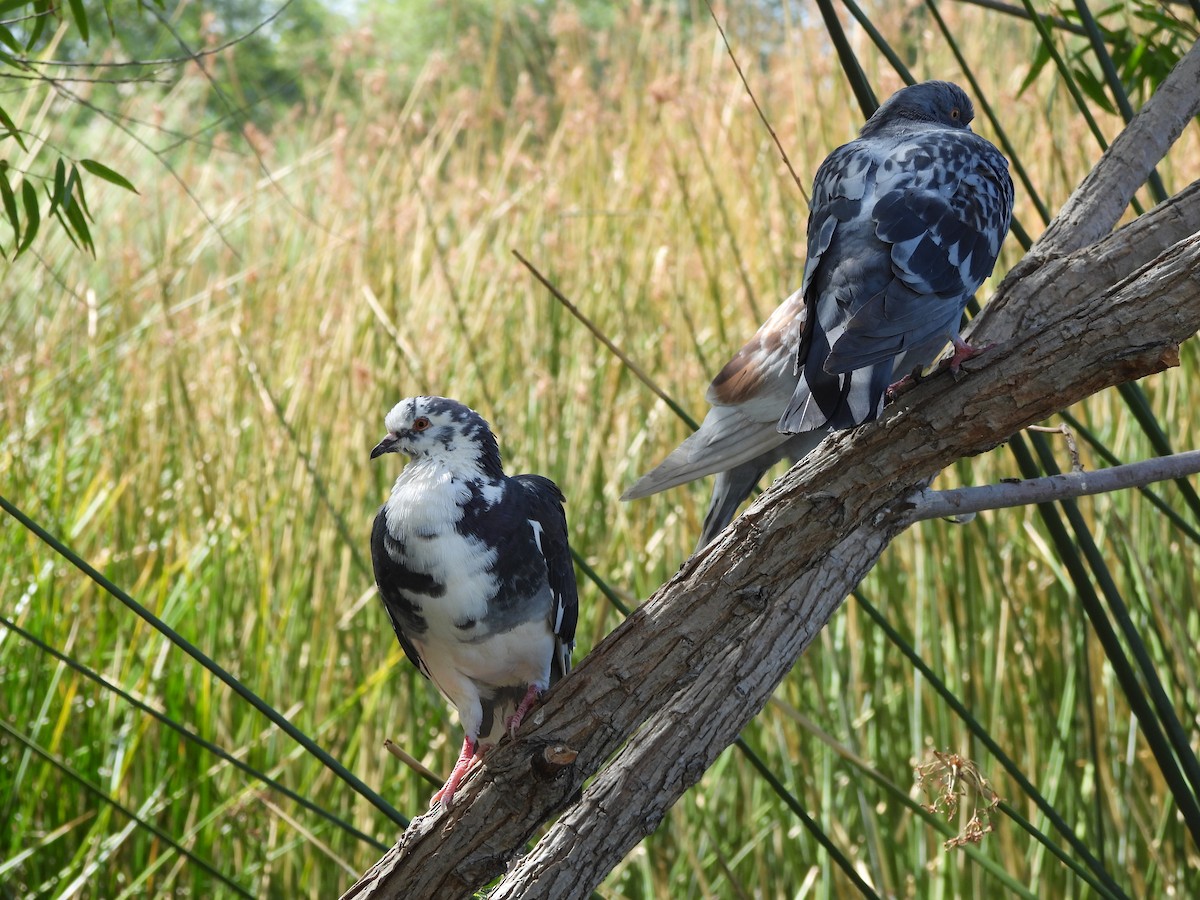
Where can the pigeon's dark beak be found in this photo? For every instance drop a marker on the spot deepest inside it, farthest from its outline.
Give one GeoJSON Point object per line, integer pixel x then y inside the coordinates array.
{"type": "Point", "coordinates": [387, 445]}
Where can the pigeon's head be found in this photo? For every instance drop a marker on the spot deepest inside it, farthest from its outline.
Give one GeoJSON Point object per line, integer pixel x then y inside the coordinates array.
{"type": "Point", "coordinates": [444, 430]}
{"type": "Point", "coordinates": [941, 104]}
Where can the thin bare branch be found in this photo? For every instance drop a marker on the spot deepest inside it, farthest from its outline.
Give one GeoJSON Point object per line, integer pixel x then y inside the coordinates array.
{"type": "Point", "coordinates": [930, 504]}
{"type": "Point", "coordinates": [742, 75]}
{"type": "Point", "coordinates": [641, 374]}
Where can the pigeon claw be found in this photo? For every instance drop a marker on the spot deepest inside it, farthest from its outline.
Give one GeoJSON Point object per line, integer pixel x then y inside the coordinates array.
{"type": "Point", "coordinates": [964, 351]}
{"type": "Point", "coordinates": [897, 389]}
{"type": "Point", "coordinates": [513, 722]}
{"type": "Point", "coordinates": [467, 758]}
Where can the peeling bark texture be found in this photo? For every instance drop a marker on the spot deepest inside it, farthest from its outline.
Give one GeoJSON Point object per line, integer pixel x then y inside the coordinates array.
{"type": "Point", "coordinates": [691, 666]}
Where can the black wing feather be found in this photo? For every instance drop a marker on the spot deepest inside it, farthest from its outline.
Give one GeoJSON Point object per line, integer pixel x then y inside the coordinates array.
{"type": "Point", "coordinates": [387, 574]}
{"type": "Point", "coordinates": [546, 507]}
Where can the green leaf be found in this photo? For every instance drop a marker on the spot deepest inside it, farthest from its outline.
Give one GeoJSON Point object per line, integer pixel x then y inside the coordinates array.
{"type": "Point", "coordinates": [11, 127]}
{"type": "Point", "coordinates": [60, 185]}
{"type": "Point", "coordinates": [66, 225]}
{"type": "Point", "coordinates": [7, 37]}
{"type": "Point", "coordinates": [10, 205]}
{"type": "Point", "coordinates": [1094, 89]}
{"type": "Point", "coordinates": [77, 181]}
{"type": "Point", "coordinates": [102, 171]}
{"type": "Point", "coordinates": [42, 11]}
{"type": "Point", "coordinates": [74, 214]}
{"type": "Point", "coordinates": [79, 14]}
{"type": "Point", "coordinates": [1041, 56]}
{"type": "Point", "coordinates": [33, 216]}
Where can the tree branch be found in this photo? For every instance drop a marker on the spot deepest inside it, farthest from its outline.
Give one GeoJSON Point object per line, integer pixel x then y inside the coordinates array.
{"type": "Point", "coordinates": [1103, 196]}
{"type": "Point", "coordinates": [929, 504]}
{"type": "Point", "coordinates": [701, 656]}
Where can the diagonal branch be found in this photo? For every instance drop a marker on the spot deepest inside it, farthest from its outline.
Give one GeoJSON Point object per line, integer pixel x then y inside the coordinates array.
{"type": "Point", "coordinates": [774, 579]}
{"type": "Point", "coordinates": [1103, 196]}
{"type": "Point", "coordinates": [770, 583]}
{"type": "Point", "coordinates": [692, 665]}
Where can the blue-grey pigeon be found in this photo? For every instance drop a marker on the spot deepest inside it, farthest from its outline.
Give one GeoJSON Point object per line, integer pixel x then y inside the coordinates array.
{"type": "Point", "coordinates": [474, 571]}
{"type": "Point", "coordinates": [906, 222]}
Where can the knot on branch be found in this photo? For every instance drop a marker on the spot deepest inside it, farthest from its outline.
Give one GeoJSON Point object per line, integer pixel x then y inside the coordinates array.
{"type": "Point", "coordinates": [1144, 359]}
{"type": "Point", "coordinates": [754, 597]}
{"type": "Point", "coordinates": [550, 760]}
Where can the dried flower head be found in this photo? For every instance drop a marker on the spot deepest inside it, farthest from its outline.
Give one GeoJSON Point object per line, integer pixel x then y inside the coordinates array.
{"type": "Point", "coordinates": [948, 779]}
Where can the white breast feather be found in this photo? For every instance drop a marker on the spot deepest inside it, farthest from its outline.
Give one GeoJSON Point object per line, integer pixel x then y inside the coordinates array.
{"type": "Point", "coordinates": [421, 513]}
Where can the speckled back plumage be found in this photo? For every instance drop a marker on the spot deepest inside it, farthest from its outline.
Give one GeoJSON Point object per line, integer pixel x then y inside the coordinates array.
{"type": "Point", "coordinates": [906, 222]}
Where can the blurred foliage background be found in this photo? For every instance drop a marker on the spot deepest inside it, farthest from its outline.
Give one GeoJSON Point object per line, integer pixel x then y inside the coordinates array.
{"type": "Point", "coordinates": [326, 202]}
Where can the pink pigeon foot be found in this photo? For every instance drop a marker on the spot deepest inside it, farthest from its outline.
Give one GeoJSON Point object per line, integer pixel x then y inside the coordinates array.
{"type": "Point", "coordinates": [964, 351]}
{"type": "Point", "coordinates": [897, 388]}
{"type": "Point", "coordinates": [513, 722]}
{"type": "Point", "coordinates": [468, 757]}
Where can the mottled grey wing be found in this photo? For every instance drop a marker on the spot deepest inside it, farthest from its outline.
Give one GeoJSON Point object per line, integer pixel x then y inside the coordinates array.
{"type": "Point", "coordinates": [847, 264]}
{"type": "Point", "coordinates": [942, 208]}
{"type": "Point", "coordinates": [546, 508]}
{"type": "Point", "coordinates": [902, 232]}
{"type": "Point", "coordinates": [389, 576]}
{"type": "Point", "coordinates": [746, 398]}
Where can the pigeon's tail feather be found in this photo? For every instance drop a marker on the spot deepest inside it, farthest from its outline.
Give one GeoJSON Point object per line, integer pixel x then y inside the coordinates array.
{"type": "Point", "coordinates": [734, 485]}
{"type": "Point", "coordinates": [803, 413]}
{"type": "Point", "coordinates": [729, 490]}
{"type": "Point", "coordinates": [838, 402]}
{"type": "Point", "coordinates": [725, 439]}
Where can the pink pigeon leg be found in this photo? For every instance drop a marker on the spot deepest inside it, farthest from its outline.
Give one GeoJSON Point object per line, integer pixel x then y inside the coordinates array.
{"type": "Point", "coordinates": [513, 722]}
{"type": "Point", "coordinates": [466, 759]}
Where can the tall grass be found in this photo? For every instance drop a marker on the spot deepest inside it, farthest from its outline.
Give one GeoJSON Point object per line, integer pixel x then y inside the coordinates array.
{"type": "Point", "coordinates": [192, 413]}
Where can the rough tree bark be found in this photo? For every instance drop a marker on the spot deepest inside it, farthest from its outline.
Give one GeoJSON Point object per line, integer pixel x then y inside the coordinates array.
{"type": "Point", "coordinates": [1086, 309]}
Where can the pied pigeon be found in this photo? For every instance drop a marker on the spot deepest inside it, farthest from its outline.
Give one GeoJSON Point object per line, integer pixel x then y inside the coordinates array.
{"type": "Point", "coordinates": [474, 570]}
{"type": "Point", "coordinates": [905, 224]}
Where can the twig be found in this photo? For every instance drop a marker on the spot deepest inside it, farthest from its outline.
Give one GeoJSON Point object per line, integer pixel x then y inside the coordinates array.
{"type": "Point", "coordinates": [929, 504]}
{"type": "Point", "coordinates": [1010, 9]}
{"type": "Point", "coordinates": [411, 761]}
{"type": "Point", "coordinates": [616, 351]}
{"type": "Point", "coordinates": [787, 162]}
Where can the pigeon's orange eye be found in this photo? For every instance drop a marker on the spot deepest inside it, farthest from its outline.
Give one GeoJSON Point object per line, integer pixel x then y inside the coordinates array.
{"type": "Point", "coordinates": [420, 423]}
{"type": "Point", "coordinates": [954, 113]}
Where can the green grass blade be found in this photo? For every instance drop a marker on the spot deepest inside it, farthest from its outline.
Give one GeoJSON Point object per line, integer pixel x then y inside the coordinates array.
{"type": "Point", "coordinates": [814, 829]}
{"type": "Point", "coordinates": [880, 42]}
{"type": "Point", "coordinates": [190, 735]}
{"type": "Point", "coordinates": [1075, 564]}
{"type": "Point", "coordinates": [853, 71]}
{"type": "Point", "coordinates": [339, 520]}
{"type": "Point", "coordinates": [1115, 87]}
{"type": "Point", "coordinates": [1135, 399]}
{"type": "Point", "coordinates": [124, 810]}
{"type": "Point", "coordinates": [1105, 880]}
{"type": "Point", "coordinates": [193, 651]}
{"type": "Point", "coordinates": [1176, 737]}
